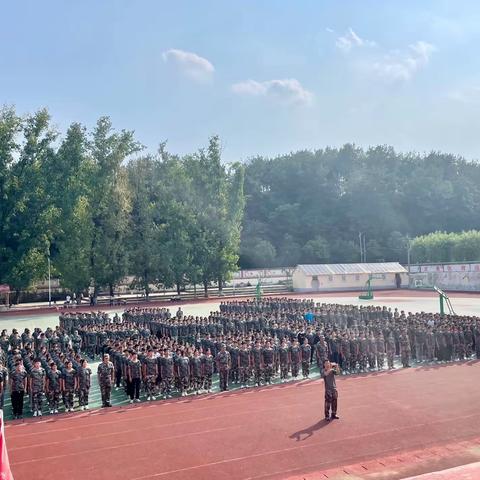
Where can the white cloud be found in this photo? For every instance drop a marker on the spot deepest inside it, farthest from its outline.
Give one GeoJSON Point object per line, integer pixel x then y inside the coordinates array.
{"type": "Point", "coordinates": [403, 65]}
{"type": "Point", "coordinates": [351, 40]}
{"type": "Point", "coordinates": [193, 65]}
{"type": "Point", "coordinates": [287, 90]}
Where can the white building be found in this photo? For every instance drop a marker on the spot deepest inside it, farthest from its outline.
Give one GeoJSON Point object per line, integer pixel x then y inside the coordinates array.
{"type": "Point", "coordinates": [348, 276]}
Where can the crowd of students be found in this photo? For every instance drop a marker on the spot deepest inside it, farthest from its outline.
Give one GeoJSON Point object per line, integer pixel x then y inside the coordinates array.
{"type": "Point", "coordinates": [148, 352]}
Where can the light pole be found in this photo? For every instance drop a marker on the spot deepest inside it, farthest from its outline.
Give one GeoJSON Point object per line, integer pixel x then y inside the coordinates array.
{"type": "Point", "coordinates": [49, 283]}
{"type": "Point", "coordinates": [409, 248]}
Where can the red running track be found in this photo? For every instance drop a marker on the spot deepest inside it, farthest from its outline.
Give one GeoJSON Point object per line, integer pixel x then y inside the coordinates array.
{"type": "Point", "coordinates": [273, 432]}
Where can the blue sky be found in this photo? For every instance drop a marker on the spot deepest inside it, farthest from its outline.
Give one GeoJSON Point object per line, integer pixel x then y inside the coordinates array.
{"type": "Point", "coordinates": [268, 76]}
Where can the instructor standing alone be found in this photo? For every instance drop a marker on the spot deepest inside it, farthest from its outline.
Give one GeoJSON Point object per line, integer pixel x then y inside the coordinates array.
{"type": "Point", "coordinates": [331, 394]}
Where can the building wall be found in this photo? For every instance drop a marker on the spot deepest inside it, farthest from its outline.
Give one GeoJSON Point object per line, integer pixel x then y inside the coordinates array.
{"type": "Point", "coordinates": [448, 276]}
{"type": "Point", "coordinates": [304, 283]}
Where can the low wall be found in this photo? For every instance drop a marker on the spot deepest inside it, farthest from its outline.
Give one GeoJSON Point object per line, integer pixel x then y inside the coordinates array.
{"type": "Point", "coordinates": [450, 276]}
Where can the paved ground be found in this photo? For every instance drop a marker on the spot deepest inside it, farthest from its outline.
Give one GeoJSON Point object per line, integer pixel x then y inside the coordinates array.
{"type": "Point", "coordinates": [418, 301]}
{"type": "Point", "coordinates": [393, 425]}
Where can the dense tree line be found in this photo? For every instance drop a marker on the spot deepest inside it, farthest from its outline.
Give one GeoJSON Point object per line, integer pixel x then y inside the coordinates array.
{"type": "Point", "coordinates": [310, 206]}
{"type": "Point", "coordinates": [446, 247]}
{"type": "Point", "coordinates": [100, 208]}
{"type": "Point", "coordinates": [98, 213]}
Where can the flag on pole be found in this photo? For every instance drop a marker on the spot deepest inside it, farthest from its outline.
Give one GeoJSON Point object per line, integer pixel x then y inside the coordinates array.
{"type": "Point", "coordinates": [5, 472]}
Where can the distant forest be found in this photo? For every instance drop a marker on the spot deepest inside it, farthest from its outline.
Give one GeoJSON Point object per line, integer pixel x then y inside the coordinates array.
{"type": "Point", "coordinates": [93, 206]}
{"type": "Point", "coordinates": [310, 206]}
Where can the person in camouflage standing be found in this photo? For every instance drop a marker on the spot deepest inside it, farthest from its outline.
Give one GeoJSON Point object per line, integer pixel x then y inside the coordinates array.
{"type": "Point", "coordinates": [405, 349]}
{"type": "Point", "coordinates": [245, 361]}
{"type": "Point", "coordinates": [208, 366]}
{"type": "Point", "coordinates": [37, 387]}
{"type": "Point", "coordinates": [306, 355]}
{"type": "Point", "coordinates": [105, 372]}
{"type": "Point", "coordinates": [84, 374]}
{"type": "Point", "coordinates": [284, 360]}
{"type": "Point", "coordinates": [196, 371]}
{"type": "Point", "coordinates": [54, 387]}
{"type": "Point", "coordinates": [135, 377]}
{"type": "Point", "coordinates": [430, 345]}
{"type": "Point", "coordinates": [150, 374]}
{"type": "Point", "coordinates": [234, 371]}
{"type": "Point", "coordinates": [476, 338]}
{"type": "Point", "coordinates": [167, 373]}
{"type": "Point", "coordinates": [268, 360]}
{"type": "Point", "coordinates": [321, 352]}
{"type": "Point", "coordinates": [380, 351]}
{"type": "Point", "coordinates": [390, 350]}
{"type": "Point", "coordinates": [257, 363]}
{"type": "Point", "coordinates": [69, 385]}
{"type": "Point", "coordinates": [363, 352]}
{"type": "Point", "coordinates": [76, 342]}
{"type": "Point", "coordinates": [183, 373]}
{"type": "Point", "coordinates": [372, 351]}
{"type": "Point", "coordinates": [223, 364]}
{"type": "Point", "coordinates": [295, 358]}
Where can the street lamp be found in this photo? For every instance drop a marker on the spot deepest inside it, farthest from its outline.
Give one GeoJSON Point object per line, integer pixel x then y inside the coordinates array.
{"type": "Point", "coordinates": [49, 283]}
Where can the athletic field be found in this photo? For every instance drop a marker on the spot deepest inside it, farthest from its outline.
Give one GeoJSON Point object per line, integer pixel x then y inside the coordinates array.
{"type": "Point", "coordinates": [393, 424]}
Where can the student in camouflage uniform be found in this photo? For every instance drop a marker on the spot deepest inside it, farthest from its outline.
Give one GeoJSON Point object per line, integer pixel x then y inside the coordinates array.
{"type": "Point", "coordinates": [390, 350]}
{"type": "Point", "coordinates": [257, 363]}
{"type": "Point", "coordinates": [331, 393]}
{"type": "Point", "coordinates": [69, 385]}
{"type": "Point", "coordinates": [363, 352]}
{"type": "Point", "coordinates": [183, 372]}
{"type": "Point", "coordinates": [208, 366]}
{"type": "Point", "coordinates": [84, 374]}
{"type": "Point", "coordinates": [405, 349]}
{"type": "Point", "coordinates": [37, 387]}
{"type": "Point", "coordinates": [196, 371]}
{"type": "Point", "coordinates": [430, 345]}
{"type": "Point", "coordinates": [345, 353]}
{"type": "Point", "coordinates": [54, 387]}
{"type": "Point", "coordinates": [306, 351]}
{"type": "Point", "coordinates": [295, 358]}
{"type": "Point", "coordinates": [105, 374]}
{"type": "Point", "coordinates": [223, 365]}
{"type": "Point", "coordinates": [3, 383]}
{"type": "Point", "coordinates": [380, 351]}
{"type": "Point", "coordinates": [234, 370]}
{"type": "Point", "coordinates": [245, 364]}
{"type": "Point", "coordinates": [476, 338]}
{"type": "Point", "coordinates": [284, 360]}
{"type": "Point", "coordinates": [268, 361]}
{"type": "Point", "coordinates": [150, 374]}
{"type": "Point", "coordinates": [167, 373]}
{"type": "Point", "coordinates": [372, 351]}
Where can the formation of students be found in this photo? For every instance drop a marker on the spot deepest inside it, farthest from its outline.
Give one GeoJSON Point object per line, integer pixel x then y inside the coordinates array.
{"type": "Point", "coordinates": [149, 352]}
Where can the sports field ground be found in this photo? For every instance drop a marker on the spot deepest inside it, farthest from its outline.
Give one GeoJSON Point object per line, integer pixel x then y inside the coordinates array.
{"type": "Point", "coordinates": [393, 424]}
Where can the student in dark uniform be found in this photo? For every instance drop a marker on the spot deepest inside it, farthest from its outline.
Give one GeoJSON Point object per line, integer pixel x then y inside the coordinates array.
{"type": "Point", "coordinates": [18, 387]}
{"type": "Point", "coordinates": [135, 377]}
{"type": "Point", "coordinates": [331, 394]}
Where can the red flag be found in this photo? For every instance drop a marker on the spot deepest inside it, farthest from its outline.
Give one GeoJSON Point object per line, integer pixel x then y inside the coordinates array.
{"type": "Point", "coordinates": [5, 472]}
